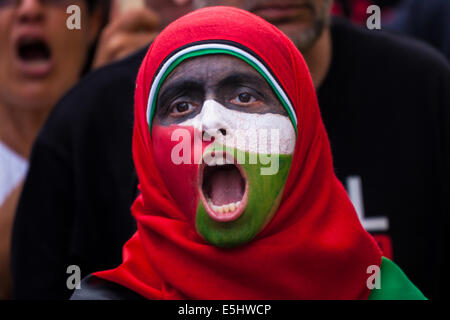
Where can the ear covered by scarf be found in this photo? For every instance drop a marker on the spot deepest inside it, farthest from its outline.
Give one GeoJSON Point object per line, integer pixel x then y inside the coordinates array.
{"type": "Point", "coordinates": [313, 248]}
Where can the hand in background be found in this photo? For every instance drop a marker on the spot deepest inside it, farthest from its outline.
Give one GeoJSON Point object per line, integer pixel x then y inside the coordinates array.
{"type": "Point", "coordinates": [127, 32]}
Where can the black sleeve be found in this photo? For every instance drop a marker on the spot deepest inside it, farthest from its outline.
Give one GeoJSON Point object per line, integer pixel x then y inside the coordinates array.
{"type": "Point", "coordinates": [442, 285]}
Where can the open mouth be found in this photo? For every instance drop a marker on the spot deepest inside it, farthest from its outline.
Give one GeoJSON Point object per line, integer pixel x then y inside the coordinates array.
{"type": "Point", "coordinates": [223, 187]}
{"type": "Point", "coordinates": [34, 55]}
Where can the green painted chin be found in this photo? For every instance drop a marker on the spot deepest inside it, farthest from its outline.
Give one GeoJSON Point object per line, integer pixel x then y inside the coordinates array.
{"type": "Point", "coordinates": [264, 196]}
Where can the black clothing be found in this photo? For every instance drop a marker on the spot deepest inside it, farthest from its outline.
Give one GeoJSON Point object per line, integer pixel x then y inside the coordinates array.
{"type": "Point", "coordinates": [386, 106]}
{"type": "Point", "coordinates": [385, 103]}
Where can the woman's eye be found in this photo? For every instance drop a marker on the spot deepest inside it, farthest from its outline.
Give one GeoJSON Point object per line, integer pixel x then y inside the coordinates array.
{"type": "Point", "coordinates": [243, 98]}
{"type": "Point", "coordinates": [182, 108]}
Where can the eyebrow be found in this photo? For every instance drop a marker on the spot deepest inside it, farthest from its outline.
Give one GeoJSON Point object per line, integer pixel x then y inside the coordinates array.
{"type": "Point", "coordinates": [181, 87]}
{"type": "Point", "coordinates": [177, 89]}
{"type": "Point", "coordinates": [242, 79]}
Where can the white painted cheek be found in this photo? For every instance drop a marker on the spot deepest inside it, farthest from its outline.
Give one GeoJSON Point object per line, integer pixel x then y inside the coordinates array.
{"type": "Point", "coordinates": [246, 131]}
{"type": "Point", "coordinates": [262, 133]}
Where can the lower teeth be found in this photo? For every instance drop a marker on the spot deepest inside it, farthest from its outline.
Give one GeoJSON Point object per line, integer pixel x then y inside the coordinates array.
{"type": "Point", "coordinates": [227, 208]}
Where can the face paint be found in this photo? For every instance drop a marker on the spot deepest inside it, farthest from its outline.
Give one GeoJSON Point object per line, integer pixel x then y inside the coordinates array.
{"type": "Point", "coordinates": [244, 130]}
{"type": "Point", "coordinates": [231, 183]}
{"type": "Point", "coordinates": [180, 178]}
{"type": "Point", "coordinates": [237, 202]}
{"type": "Point", "coordinates": [237, 198]}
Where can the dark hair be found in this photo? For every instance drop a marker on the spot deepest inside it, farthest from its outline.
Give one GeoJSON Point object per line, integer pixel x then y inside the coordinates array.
{"type": "Point", "coordinates": [92, 4]}
{"type": "Point", "coordinates": [104, 6]}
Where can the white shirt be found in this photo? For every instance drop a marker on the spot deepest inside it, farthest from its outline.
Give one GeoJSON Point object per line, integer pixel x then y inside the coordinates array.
{"type": "Point", "coordinates": [13, 169]}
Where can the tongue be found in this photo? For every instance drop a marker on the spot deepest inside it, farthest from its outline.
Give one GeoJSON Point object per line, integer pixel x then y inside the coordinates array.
{"type": "Point", "coordinates": [226, 186]}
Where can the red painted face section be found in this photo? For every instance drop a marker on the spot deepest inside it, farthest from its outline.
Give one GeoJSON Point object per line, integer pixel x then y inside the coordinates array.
{"type": "Point", "coordinates": [180, 178]}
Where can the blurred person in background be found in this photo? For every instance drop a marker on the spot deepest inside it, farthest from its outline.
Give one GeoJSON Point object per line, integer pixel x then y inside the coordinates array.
{"type": "Point", "coordinates": [356, 10]}
{"type": "Point", "coordinates": [81, 212]}
{"type": "Point", "coordinates": [133, 24]}
{"type": "Point", "coordinates": [384, 102]}
{"type": "Point", "coordinates": [40, 59]}
{"type": "Point", "coordinates": [426, 20]}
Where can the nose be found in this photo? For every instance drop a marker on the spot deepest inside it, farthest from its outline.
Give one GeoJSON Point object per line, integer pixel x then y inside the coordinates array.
{"type": "Point", "coordinates": [30, 11]}
{"type": "Point", "coordinates": [213, 122]}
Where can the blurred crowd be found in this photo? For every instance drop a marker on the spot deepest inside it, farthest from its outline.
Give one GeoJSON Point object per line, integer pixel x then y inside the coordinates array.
{"type": "Point", "coordinates": [67, 179]}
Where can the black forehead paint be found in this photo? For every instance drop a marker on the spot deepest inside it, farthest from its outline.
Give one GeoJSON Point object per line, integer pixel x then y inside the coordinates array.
{"type": "Point", "coordinates": [220, 81]}
{"type": "Point", "coordinates": [243, 79]}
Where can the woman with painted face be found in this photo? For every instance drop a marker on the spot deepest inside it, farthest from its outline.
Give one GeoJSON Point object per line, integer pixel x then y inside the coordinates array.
{"type": "Point", "coordinates": [238, 199]}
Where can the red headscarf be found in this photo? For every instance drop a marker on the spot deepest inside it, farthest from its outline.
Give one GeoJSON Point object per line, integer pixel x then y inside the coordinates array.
{"type": "Point", "coordinates": [314, 247]}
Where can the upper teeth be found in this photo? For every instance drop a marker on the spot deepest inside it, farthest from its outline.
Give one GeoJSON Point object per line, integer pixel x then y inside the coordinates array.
{"type": "Point", "coordinates": [227, 208]}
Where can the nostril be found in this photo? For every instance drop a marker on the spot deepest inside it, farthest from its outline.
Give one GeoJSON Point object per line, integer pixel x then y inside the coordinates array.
{"type": "Point", "coordinates": [211, 135]}
{"type": "Point", "coordinates": [206, 136]}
